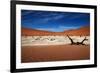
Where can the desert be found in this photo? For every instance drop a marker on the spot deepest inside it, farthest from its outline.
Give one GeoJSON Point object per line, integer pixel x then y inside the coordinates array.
{"type": "Point", "coordinates": [41, 46]}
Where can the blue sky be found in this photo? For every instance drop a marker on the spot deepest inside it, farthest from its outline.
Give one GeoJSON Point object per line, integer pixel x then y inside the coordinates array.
{"type": "Point", "coordinates": [54, 21]}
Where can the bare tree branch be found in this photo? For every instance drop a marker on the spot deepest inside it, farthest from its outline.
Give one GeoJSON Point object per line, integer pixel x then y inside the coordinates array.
{"type": "Point", "coordinates": [77, 43]}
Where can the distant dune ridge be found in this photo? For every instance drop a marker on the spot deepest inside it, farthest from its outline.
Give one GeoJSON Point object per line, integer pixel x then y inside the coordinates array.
{"type": "Point", "coordinates": [83, 31]}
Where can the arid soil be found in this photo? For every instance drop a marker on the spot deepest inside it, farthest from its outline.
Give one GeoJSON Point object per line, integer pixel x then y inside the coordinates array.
{"type": "Point", "coordinates": [54, 53]}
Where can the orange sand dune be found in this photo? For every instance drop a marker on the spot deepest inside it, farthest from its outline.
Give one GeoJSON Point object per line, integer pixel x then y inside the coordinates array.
{"type": "Point", "coordinates": [84, 31]}
{"type": "Point", "coordinates": [81, 31]}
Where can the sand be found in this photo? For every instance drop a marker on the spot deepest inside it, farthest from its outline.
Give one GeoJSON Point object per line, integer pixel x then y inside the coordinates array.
{"type": "Point", "coordinates": [83, 31]}
{"type": "Point", "coordinates": [54, 53]}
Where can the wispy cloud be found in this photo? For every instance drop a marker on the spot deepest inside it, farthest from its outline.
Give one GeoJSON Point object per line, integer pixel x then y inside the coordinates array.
{"type": "Point", "coordinates": [54, 21]}
{"type": "Point", "coordinates": [48, 19]}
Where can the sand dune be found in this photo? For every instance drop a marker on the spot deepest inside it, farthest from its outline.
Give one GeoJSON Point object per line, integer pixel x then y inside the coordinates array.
{"type": "Point", "coordinates": [83, 31]}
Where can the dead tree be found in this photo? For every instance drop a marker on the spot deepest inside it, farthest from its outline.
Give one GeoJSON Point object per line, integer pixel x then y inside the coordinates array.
{"type": "Point", "coordinates": [82, 42]}
{"type": "Point", "coordinates": [77, 43]}
{"type": "Point", "coordinates": [72, 42]}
